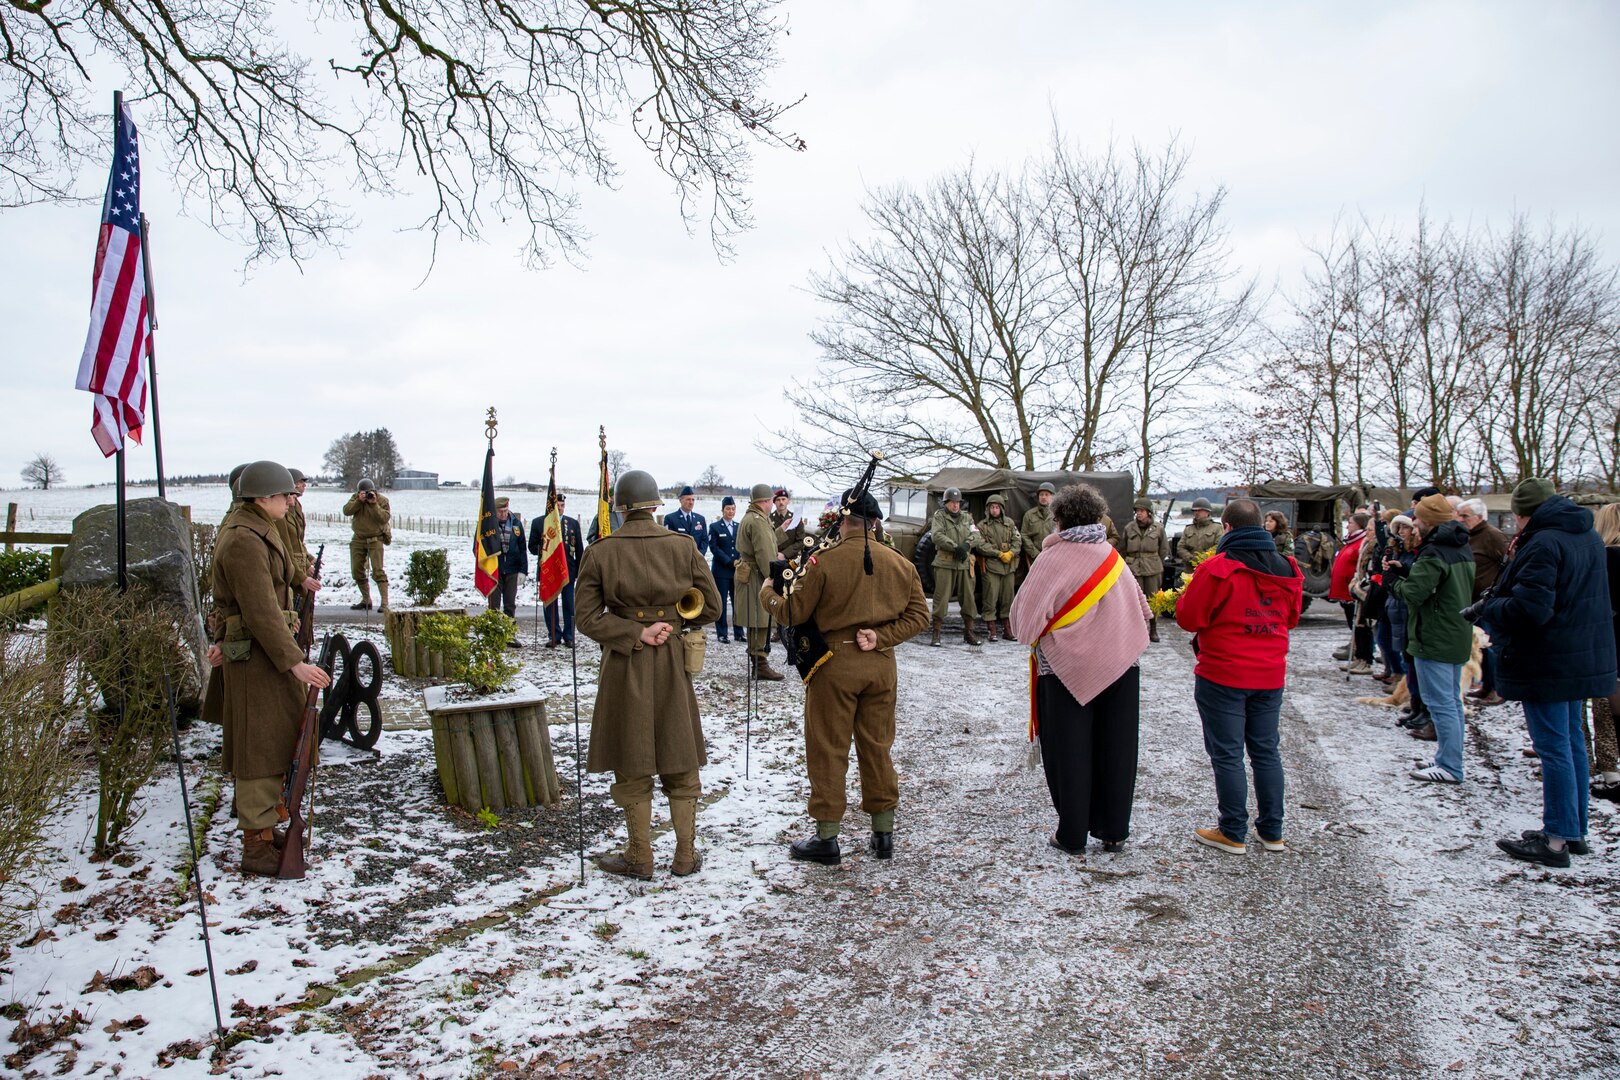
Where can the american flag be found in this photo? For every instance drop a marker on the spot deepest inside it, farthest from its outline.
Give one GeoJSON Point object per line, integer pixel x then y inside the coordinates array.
{"type": "Point", "coordinates": [111, 367]}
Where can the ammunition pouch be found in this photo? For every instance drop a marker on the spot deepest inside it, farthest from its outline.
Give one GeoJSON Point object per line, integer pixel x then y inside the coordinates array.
{"type": "Point", "coordinates": [744, 572]}
{"type": "Point", "coordinates": [695, 643]}
{"type": "Point", "coordinates": [237, 644]}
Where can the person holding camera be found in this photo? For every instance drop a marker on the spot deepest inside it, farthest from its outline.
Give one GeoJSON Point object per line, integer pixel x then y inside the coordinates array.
{"type": "Point", "coordinates": [372, 532]}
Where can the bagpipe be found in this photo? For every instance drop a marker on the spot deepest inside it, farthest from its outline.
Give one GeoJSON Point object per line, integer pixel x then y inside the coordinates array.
{"type": "Point", "coordinates": [806, 647]}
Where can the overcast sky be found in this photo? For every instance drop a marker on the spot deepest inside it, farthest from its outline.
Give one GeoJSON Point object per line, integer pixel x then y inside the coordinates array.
{"type": "Point", "coordinates": [1301, 110]}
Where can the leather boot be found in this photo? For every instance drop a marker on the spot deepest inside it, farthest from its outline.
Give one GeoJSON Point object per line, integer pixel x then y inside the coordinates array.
{"type": "Point", "coordinates": [764, 671]}
{"type": "Point", "coordinates": [939, 624]}
{"type": "Point", "coordinates": [382, 596]}
{"type": "Point", "coordinates": [636, 860]}
{"type": "Point", "coordinates": [967, 633]}
{"type": "Point", "coordinates": [259, 855]}
{"type": "Point", "coordinates": [1153, 628]}
{"type": "Point", "coordinates": [990, 624]}
{"type": "Point", "coordinates": [365, 597]}
{"type": "Point", "coordinates": [683, 815]}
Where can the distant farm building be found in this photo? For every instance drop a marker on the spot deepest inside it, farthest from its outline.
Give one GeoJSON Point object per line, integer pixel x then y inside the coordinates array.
{"type": "Point", "coordinates": [415, 480]}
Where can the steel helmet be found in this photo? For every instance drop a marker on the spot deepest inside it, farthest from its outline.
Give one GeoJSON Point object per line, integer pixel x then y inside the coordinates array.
{"type": "Point", "coordinates": [759, 493]}
{"type": "Point", "coordinates": [262, 479]}
{"type": "Point", "coordinates": [951, 495]}
{"type": "Point", "coordinates": [636, 490]}
{"type": "Point", "coordinates": [236, 474]}
{"type": "Point", "coordinates": [297, 475]}
{"type": "Point", "coordinates": [1202, 503]}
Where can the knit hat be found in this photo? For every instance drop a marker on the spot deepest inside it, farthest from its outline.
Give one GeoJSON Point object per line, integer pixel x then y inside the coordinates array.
{"type": "Point", "coordinates": [1531, 493]}
{"type": "Point", "coordinates": [1433, 510]}
{"type": "Point", "coordinates": [1400, 519]}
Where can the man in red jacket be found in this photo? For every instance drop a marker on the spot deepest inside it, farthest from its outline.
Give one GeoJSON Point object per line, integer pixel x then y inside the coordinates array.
{"type": "Point", "coordinates": [1240, 605]}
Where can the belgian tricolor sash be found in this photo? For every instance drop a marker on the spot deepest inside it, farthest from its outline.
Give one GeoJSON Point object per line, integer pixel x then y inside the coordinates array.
{"type": "Point", "coordinates": [1072, 610]}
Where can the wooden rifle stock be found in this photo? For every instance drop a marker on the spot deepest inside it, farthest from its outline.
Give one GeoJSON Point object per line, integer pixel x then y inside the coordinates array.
{"type": "Point", "coordinates": [306, 606]}
{"type": "Point", "coordinates": [299, 777]}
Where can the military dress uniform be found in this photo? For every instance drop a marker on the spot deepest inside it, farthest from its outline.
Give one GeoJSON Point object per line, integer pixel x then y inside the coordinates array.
{"type": "Point", "coordinates": [954, 536]}
{"type": "Point", "coordinates": [1145, 548]}
{"type": "Point", "coordinates": [691, 523]}
{"type": "Point", "coordinates": [851, 696]}
{"type": "Point", "coordinates": [372, 533]}
{"type": "Point", "coordinates": [756, 549]}
{"type": "Point", "coordinates": [1000, 544]}
{"type": "Point", "coordinates": [645, 721]}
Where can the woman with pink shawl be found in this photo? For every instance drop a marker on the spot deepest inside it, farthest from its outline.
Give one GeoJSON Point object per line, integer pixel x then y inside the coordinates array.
{"type": "Point", "coordinates": [1085, 620]}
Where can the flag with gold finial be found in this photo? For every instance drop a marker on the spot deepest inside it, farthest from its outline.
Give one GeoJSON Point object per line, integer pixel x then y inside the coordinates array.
{"type": "Point", "coordinates": [553, 556]}
{"type": "Point", "coordinates": [604, 492]}
{"type": "Point", "coordinates": [487, 537]}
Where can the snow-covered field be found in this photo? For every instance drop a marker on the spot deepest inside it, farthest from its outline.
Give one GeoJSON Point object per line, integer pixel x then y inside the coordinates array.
{"type": "Point", "coordinates": [1393, 940]}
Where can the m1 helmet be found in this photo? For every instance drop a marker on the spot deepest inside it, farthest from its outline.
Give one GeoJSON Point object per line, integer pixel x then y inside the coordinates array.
{"type": "Point", "coordinates": [298, 476]}
{"type": "Point", "coordinates": [636, 490]}
{"type": "Point", "coordinates": [951, 495]}
{"type": "Point", "coordinates": [995, 500]}
{"type": "Point", "coordinates": [1047, 487]}
{"type": "Point", "coordinates": [262, 479]}
{"type": "Point", "coordinates": [1202, 503]}
{"type": "Point", "coordinates": [366, 484]}
{"type": "Point", "coordinates": [236, 474]}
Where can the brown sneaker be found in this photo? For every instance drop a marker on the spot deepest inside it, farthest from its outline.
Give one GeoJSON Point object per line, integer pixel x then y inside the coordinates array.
{"type": "Point", "coordinates": [259, 855]}
{"type": "Point", "coordinates": [1216, 839]}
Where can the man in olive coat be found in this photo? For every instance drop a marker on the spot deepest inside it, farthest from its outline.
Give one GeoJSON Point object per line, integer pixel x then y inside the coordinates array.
{"type": "Point", "coordinates": [645, 722]}
{"type": "Point", "coordinates": [1000, 543]}
{"type": "Point", "coordinates": [954, 536]}
{"type": "Point", "coordinates": [372, 532]}
{"type": "Point", "coordinates": [1145, 548]}
{"type": "Point", "coordinates": [1198, 539]}
{"type": "Point", "coordinates": [259, 694]}
{"type": "Point", "coordinates": [1038, 522]}
{"type": "Point", "coordinates": [756, 549]}
{"type": "Point", "coordinates": [292, 530]}
{"type": "Point", "coordinates": [863, 614]}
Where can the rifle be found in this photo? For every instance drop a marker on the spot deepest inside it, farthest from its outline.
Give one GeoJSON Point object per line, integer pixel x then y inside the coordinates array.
{"type": "Point", "coordinates": [301, 775]}
{"type": "Point", "coordinates": [306, 607]}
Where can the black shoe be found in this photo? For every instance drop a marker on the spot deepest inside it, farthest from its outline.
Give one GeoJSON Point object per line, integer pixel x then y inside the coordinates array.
{"type": "Point", "coordinates": [1535, 851]}
{"type": "Point", "coordinates": [882, 845]}
{"type": "Point", "coordinates": [364, 605]}
{"type": "Point", "coordinates": [1574, 847]}
{"type": "Point", "coordinates": [1417, 720]}
{"type": "Point", "coordinates": [1052, 842]}
{"type": "Point", "coordinates": [815, 849]}
{"type": "Point", "coordinates": [1113, 845]}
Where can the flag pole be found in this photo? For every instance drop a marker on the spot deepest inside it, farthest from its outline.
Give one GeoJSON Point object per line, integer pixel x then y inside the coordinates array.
{"type": "Point", "coordinates": [151, 352]}
{"type": "Point", "coordinates": [118, 465]}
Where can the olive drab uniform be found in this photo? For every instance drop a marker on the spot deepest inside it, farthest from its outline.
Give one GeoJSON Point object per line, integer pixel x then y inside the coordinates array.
{"type": "Point", "coordinates": [291, 529]}
{"type": "Point", "coordinates": [371, 532]}
{"type": "Point", "coordinates": [1198, 539]}
{"type": "Point", "coordinates": [1037, 525]}
{"type": "Point", "coordinates": [756, 549]}
{"type": "Point", "coordinates": [1000, 544]}
{"type": "Point", "coordinates": [852, 694]}
{"type": "Point", "coordinates": [954, 537]}
{"type": "Point", "coordinates": [1145, 548]}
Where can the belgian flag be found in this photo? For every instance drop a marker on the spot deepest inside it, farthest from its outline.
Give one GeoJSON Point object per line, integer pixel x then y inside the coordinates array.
{"type": "Point", "coordinates": [487, 538]}
{"type": "Point", "coordinates": [553, 559]}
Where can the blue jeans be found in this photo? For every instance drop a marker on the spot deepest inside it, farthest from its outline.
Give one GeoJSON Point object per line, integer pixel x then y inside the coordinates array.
{"type": "Point", "coordinates": [1385, 636]}
{"type": "Point", "coordinates": [1558, 732]}
{"type": "Point", "coordinates": [1443, 699]}
{"type": "Point", "coordinates": [565, 604]}
{"type": "Point", "coordinates": [1235, 719]}
{"type": "Point", "coordinates": [724, 581]}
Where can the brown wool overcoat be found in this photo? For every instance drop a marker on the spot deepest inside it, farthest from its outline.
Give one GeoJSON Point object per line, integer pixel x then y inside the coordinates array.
{"type": "Point", "coordinates": [257, 700]}
{"type": "Point", "coordinates": [646, 718]}
{"type": "Point", "coordinates": [757, 545]}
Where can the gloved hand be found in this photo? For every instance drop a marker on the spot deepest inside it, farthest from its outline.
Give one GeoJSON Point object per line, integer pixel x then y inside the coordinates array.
{"type": "Point", "coordinates": [963, 550]}
{"type": "Point", "coordinates": [1474, 612]}
{"type": "Point", "coordinates": [1393, 572]}
{"type": "Point", "coordinates": [779, 576]}
{"type": "Point", "coordinates": [1006, 556]}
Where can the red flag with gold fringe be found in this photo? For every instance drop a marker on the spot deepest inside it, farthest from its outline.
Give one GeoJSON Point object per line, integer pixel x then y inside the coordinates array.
{"type": "Point", "coordinates": [553, 558]}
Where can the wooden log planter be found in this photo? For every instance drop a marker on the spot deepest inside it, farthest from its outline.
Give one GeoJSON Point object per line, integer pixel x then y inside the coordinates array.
{"type": "Point", "coordinates": [493, 750]}
{"type": "Point", "coordinates": [411, 658]}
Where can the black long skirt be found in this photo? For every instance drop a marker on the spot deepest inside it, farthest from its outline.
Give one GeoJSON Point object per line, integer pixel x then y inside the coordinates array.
{"type": "Point", "coordinates": [1089, 752]}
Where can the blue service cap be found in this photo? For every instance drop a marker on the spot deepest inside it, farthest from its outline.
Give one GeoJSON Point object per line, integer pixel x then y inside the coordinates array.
{"type": "Point", "coordinates": [728, 501]}
{"type": "Point", "coordinates": [685, 491]}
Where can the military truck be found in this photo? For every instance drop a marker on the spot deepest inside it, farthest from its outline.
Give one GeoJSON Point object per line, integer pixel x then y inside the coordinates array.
{"type": "Point", "coordinates": [911, 505]}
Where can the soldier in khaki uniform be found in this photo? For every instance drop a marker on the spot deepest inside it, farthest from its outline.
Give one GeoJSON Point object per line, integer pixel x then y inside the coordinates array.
{"type": "Point", "coordinates": [757, 545]}
{"type": "Point", "coordinates": [1145, 548]}
{"type": "Point", "coordinates": [1000, 544]}
{"type": "Point", "coordinates": [1199, 538]}
{"type": "Point", "coordinates": [954, 536]}
{"type": "Point", "coordinates": [863, 614]}
{"type": "Point", "coordinates": [788, 541]}
{"type": "Point", "coordinates": [258, 695]}
{"type": "Point", "coordinates": [292, 530]}
{"type": "Point", "coordinates": [646, 718]}
{"type": "Point", "coordinates": [230, 507]}
{"type": "Point", "coordinates": [369, 509]}
{"type": "Point", "coordinates": [1038, 523]}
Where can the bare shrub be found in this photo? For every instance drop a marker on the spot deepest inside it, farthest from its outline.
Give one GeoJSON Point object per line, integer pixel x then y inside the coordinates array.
{"type": "Point", "coordinates": [37, 762]}
{"type": "Point", "coordinates": [118, 649]}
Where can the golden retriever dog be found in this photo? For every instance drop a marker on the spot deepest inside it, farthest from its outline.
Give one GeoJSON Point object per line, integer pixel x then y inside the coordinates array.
{"type": "Point", "coordinates": [1398, 697]}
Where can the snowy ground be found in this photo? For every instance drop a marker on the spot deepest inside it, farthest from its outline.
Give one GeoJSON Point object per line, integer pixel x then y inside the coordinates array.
{"type": "Point", "coordinates": [1393, 940]}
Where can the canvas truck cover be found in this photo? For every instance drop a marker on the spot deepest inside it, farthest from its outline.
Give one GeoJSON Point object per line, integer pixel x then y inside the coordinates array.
{"type": "Point", "coordinates": [1019, 487]}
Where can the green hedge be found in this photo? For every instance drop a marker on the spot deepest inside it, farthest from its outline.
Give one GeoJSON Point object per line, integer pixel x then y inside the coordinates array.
{"type": "Point", "coordinates": [20, 569]}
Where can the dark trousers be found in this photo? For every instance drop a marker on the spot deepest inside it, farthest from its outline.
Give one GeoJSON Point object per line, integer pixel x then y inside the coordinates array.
{"type": "Point", "coordinates": [564, 604]}
{"type": "Point", "coordinates": [1412, 687]}
{"type": "Point", "coordinates": [724, 580]}
{"type": "Point", "coordinates": [1235, 720]}
{"type": "Point", "coordinates": [503, 597]}
{"type": "Point", "coordinates": [1487, 664]}
{"type": "Point", "coordinates": [1089, 752]}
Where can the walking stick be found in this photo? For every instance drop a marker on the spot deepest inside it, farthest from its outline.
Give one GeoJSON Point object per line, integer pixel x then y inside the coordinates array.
{"type": "Point", "coordinates": [579, 758]}
{"type": "Point", "coordinates": [196, 873]}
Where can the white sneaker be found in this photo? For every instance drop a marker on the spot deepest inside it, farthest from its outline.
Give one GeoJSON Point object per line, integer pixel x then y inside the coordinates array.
{"type": "Point", "coordinates": [1434, 774]}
